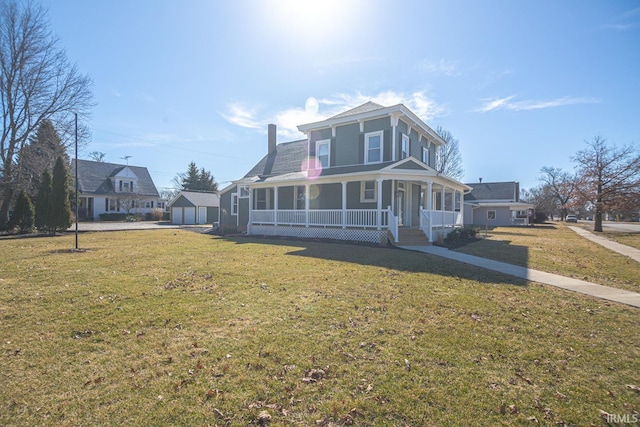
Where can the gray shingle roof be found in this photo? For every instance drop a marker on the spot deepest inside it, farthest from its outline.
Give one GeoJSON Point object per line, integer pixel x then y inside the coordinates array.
{"type": "Point", "coordinates": [93, 178]}
{"type": "Point", "coordinates": [493, 191]}
{"type": "Point", "coordinates": [198, 198]}
{"type": "Point", "coordinates": [364, 108]}
{"type": "Point", "coordinates": [287, 158]}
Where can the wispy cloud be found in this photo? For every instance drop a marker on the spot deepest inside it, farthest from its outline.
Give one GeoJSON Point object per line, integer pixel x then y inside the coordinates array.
{"type": "Point", "coordinates": [288, 119]}
{"type": "Point", "coordinates": [242, 116]}
{"type": "Point", "coordinates": [626, 21]}
{"type": "Point", "coordinates": [507, 103]}
{"type": "Point", "coordinates": [440, 67]}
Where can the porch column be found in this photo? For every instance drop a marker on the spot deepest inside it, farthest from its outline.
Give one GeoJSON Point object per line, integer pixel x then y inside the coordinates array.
{"type": "Point", "coordinates": [379, 185]}
{"type": "Point", "coordinates": [251, 190]}
{"type": "Point", "coordinates": [393, 195]}
{"type": "Point", "coordinates": [429, 196]}
{"type": "Point", "coordinates": [306, 205]}
{"type": "Point", "coordinates": [344, 204]}
{"type": "Point", "coordinates": [275, 205]}
{"type": "Point", "coordinates": [442, 198]}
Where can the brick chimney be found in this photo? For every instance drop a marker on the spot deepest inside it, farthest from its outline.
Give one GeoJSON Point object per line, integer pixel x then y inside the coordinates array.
{"type": "Point", "coordinates": [271, 132]}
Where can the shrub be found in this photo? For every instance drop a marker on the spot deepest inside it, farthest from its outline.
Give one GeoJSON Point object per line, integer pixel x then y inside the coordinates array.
{"type": "Point", "coordinates": [461, 236]}
{"type": "Point", "coordinates": [113, 216]}
{"type": "Point", "coordinates": [23, 213]}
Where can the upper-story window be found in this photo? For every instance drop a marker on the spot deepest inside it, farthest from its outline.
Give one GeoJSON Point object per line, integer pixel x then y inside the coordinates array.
{"type": "Point", "coordinates": [323, 153]}
{"type": "Point", "coordinates": [404, 149]}
{"type": "Point", "coordinates": [373, 147]}
{"type": "Point", "coordinates": [425, 155]}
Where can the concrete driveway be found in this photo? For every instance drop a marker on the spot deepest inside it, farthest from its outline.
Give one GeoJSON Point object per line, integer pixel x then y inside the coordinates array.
{"type": "Point", "coordinates": [137, 225]}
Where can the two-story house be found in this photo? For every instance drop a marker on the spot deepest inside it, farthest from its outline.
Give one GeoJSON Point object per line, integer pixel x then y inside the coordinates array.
{"type": "Point", "coordinates": [112, 188]}
{"type": "Point", "coordinates": [366, 175]}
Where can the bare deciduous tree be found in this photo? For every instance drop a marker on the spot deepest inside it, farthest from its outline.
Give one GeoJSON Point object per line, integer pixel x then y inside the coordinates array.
{"type": "Point", "coordinates": [608, 177]}
{"type": "Point", "coordinates": [37, 82]}
{"type": "Point", "coordinates": [561, 185]}
{"type": "Point", "coordinates": [448, 157]}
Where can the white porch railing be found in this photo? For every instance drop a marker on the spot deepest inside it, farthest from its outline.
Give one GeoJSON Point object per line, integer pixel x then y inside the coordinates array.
{"type": "Point", "coordinates": [393, 224]}
{"type": "Point", "coordinates": [366, 218]}
{"type": "Point", "coordinates": [425, 224]}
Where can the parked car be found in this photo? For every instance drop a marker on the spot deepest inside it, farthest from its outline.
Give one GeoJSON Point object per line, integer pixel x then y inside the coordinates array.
{"type": "Point", "coordinates": [571, 218]}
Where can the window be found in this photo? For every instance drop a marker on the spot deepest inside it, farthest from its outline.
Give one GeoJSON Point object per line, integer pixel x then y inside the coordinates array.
{"type": "Point", "coordinates": [261, 198]}
{"type": "Point", "coordinates": [368, 191]}
{"type": "Point", "coordinates": [491, 215]}
{"type": "Point", "coordinates": [373, 147]}
{"type": "Point", "coordinates": [300, 191]}
{"type": "Point", "coordinates": [323, 153]}
{"type": "Point", "coordinates": [125, 187]}
{"type": "Point", "coordinates": [425, 155]}
{"type": "Point", "coordinates": [244, 191]}
{"type": "Point", "coordinates": [234, 203]}
{"type": "Point", "coordinates": [404, 149]}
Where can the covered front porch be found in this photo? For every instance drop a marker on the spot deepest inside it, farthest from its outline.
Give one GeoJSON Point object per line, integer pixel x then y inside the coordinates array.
{"type": "Point", "coordinates": [371, 209]}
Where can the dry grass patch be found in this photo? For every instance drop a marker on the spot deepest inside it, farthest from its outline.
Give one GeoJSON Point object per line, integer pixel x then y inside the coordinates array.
{"type": "Point", "coordinates": [178, 328]}
{"type": "Point", "coordinates": [555, 248]}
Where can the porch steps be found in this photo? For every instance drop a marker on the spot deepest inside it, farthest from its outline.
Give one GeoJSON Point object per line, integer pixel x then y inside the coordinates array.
{"type": "Point", "coordinates": [411, 237]}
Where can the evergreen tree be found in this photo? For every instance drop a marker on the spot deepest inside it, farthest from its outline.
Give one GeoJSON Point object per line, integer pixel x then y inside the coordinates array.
{"type": "Point", "coordinates": [60, 215]}
{"type": "Point", "coordinates": [196, 180]}
{"type": "Point", "coordinates": [42, 201]}
{"type": "Point", "coordinates": [38, 155]}
{"type": "Point", "coordinates": [23, 213]}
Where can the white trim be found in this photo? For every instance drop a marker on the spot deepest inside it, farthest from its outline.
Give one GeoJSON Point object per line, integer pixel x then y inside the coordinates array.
{"type": "Point", "coordinates": [425, 150]}
{"type": "Point", "coordinates": [363, 188]}
{"type": "Point", "coordinates": [367, 137]}
{"type": "Point", "coordinates": [326, 142]}
{"type": "Point", "coordinates": [234, 212]}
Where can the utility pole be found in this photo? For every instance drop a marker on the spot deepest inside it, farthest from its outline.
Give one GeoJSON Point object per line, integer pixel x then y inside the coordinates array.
{"type": "Point", "coordinates": [76, 173]}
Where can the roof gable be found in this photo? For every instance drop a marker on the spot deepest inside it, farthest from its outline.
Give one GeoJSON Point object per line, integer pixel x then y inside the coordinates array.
{"type": "Point", "coordinates": [94, 177]}
{"type": "Point", "coordinates": [364, 108]}
{"type": "Point", "coordinates": [198, 198]}
{"type": "Point", "coordinates": [486, 191]}
{"type": "Point", "coordinates": [288, 157]}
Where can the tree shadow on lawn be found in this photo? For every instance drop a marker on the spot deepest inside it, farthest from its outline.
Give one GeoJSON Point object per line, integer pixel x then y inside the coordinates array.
{"type": "Point", "coordinates": [387, 257]}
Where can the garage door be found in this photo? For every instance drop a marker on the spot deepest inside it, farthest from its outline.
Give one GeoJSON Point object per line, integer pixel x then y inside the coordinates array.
{"type": "Point", "coordinates": [189, 215]}
{"type": "Point", "coordinates": [176, 215]}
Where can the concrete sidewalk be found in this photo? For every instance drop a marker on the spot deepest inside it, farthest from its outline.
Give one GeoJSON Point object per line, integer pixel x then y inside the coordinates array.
{"type": "Point", "coordinates": [625, 250]}
{"type": "Point", "coordinates": [587, 288]}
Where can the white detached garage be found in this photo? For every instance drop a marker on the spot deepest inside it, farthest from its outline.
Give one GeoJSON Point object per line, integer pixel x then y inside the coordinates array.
{"type": "Point", "coordinates": [192, 207]}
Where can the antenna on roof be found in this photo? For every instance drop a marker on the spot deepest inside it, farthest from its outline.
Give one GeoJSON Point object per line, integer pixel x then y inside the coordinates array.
{"type": "Point", "coordinates": [126, 158]}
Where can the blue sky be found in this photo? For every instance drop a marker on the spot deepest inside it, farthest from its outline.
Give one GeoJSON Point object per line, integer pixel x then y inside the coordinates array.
{"type": "Point", "coordinates": [521, 84]}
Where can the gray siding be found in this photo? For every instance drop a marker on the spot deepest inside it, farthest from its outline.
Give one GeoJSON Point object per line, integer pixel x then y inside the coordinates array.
{"type": "Point", "coordinates": [182, 202]}
{"type": "Point", "coordinates": [329, 196]}
{"type": "Point", "coordinates": [346, 145]}
{"type": "Point", "coordinates": [226, 219]}
{"type": "Point", "coordinates": [285, 198]}
{"type": "Point", "coordinates": [503, 216]}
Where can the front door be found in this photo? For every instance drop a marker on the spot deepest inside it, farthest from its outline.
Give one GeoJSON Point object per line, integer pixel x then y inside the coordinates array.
{"type": "Point", "coordinates": [400, 206]}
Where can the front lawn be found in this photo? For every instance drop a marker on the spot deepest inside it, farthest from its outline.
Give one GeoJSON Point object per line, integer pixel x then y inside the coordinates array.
{"type": "Point", "coordinates": [172, 327]}
{"type": "Point", "coordinates": [555, 248]}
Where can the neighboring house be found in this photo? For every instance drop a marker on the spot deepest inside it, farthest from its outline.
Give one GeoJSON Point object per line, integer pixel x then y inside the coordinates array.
{"type": "Point", "coordinates": [112, 188]}
{"type": "Point", "coordinates": [493, 204]}
{"type": "Point", "coordinates": [363, 175]}
{"type": "Point", "coordinates": [193, 207]}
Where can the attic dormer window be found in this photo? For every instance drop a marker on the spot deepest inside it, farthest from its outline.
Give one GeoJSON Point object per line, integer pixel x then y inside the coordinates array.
{"type": "Point", "coordinates": [373, 147]}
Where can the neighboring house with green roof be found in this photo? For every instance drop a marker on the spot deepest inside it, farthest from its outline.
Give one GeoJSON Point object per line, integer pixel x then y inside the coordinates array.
{"type": "Point", "coordinates": [367, 174]}
{"type": "Point", "coordinates": [496, 204]}
{"type": "Point", "coordinates": [113, 188]}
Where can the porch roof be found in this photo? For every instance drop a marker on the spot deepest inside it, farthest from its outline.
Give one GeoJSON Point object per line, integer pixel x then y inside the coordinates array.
{"type": "Point", "coordinates": [408, 169]}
